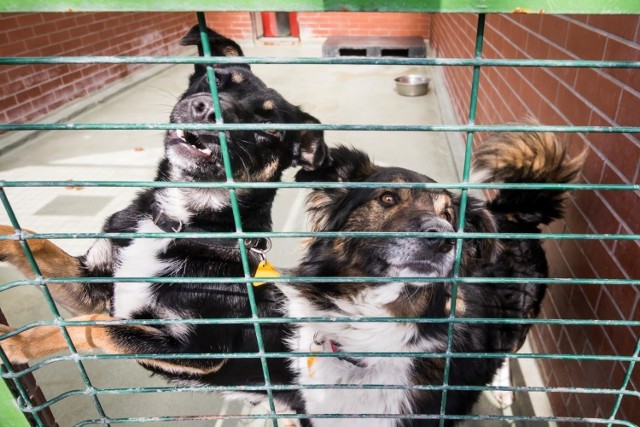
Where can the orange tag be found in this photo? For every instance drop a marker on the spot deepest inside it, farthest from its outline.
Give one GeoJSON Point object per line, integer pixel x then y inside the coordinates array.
{"type": "Point", "coordinates": [310, 361]}
{"type": "Point", "coordinates": [265, 270]}
{"type": "Point", "coordinates": [315, 347]}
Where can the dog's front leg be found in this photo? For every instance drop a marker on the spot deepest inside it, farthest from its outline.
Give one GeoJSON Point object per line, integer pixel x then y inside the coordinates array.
{"type": "Point", "coordinates": [52, 261]}
{"type": "Point", "coordinates": [43, 341]}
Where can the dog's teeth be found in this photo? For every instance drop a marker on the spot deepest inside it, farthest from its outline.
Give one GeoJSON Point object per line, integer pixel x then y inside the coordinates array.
{"type": "Point", "coordinates": [206, 151]}
{"type": "Point", "coordinates": [180, 134]}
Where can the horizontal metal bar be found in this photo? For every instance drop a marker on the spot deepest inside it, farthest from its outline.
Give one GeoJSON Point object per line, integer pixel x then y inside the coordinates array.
{"type": "Point", "coordinates": [325, 280]}
{"type": "Point", "coordinates": [262, 388]}
{"type": "Point", "coordinates": [457, 6]}
{"type": "Point", "coordinates": [297, 320]}
{"type": "Point", "coordinates": [461, 62]}
{"type": "Point", "coordinates": [511, 418]}
{"type": "Point", "coordinates": [313, 185]}
{"type": "Point", "coordinates": [319, 127]}
{"type": "Point", "coordinates": [322, 235]}
{"type": "Point", "coordinates": [286, 355]}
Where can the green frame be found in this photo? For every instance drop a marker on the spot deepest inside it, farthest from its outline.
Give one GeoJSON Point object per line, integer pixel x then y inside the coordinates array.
{"type": "Point", "coordinates": [477, 62]}
{"type": "Point", "coordinates": [457, 6]}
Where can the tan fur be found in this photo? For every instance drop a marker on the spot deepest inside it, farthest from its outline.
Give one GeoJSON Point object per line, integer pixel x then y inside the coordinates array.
{"type": "Point", "coordinates": [269, 105]}
{"type": "Point", "coordinates": [237, 78]}
{"type": "Point", "coordinates": [317, 202]}
{"type": "Point", "coordinates": [540, 154]}
{"type": "Point", "coordinates": [441, 203]}
{"type": "Point", "coordinates": [170, 367]}
{"type": "Point", "coordinates": [231, 51]}
{"type": "Point", "coordinates": [43, 341]}
{"type": "Point", "coordinates": [460, 305]}
{"type": "Point", "coordinates": [52, 262]}
{"type": "Point", "coordinates": [267, 173]}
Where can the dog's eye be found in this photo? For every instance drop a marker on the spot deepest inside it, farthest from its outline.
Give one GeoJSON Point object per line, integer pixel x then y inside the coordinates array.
{"type": "Point", "coordinates": [389, 199]}
{"type": "Point", "coordinates": [218, 82]}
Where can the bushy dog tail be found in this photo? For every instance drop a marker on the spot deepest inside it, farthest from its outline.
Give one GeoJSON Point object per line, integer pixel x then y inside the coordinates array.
{"type": "Point", "coordinates": [527, 157]}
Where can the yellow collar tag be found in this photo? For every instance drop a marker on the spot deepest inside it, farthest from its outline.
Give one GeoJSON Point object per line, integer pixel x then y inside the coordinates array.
{"type": "Point", "coordinates": [310, 362]}
{"type": "Point", "coordinates": [315, 347]}
{"type": "Point", "coordinates": [265, 270]}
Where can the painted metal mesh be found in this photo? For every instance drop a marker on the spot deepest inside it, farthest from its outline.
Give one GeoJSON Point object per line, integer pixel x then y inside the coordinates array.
{"type": "Point", "coordinates": [470, 128]}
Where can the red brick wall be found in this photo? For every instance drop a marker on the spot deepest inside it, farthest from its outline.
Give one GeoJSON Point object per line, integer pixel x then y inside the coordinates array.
{"type": "Point", "coordinates": [28, 92]}
{"type": "Point", "coordinates": [235, 25]}
{"type": "Point", "coordinates": [315, 25]}
{"type": "Point", "coordinates": [563, 96]}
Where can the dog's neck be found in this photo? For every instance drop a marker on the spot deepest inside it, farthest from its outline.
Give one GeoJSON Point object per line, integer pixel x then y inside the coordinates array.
{"type": "Point", "coordinates": [210, 209]}
{"type": "Point", "coordinates": [393, 298]}
{"type": "Point", "coordinates": [396, 299]}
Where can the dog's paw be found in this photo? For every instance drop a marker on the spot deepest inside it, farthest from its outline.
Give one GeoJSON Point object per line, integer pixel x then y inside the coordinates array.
{"type": "Point", "coordinates": [13, 347]}
{"type": "Point", "coordinates": [502, 398]}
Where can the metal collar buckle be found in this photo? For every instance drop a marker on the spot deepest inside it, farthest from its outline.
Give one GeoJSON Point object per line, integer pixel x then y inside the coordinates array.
{"type": "Point", "coordinates": [253, 246]}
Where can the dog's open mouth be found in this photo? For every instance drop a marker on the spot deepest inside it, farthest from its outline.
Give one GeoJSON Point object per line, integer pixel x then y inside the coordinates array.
{"type": "Point", "coordinates": [269, 135]}
{"type": "Point", "coordinates": [194, 144]}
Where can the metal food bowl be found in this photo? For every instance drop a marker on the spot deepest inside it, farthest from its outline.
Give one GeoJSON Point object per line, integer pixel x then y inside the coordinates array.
{"type": "Point", "coordinates": [412, 85]}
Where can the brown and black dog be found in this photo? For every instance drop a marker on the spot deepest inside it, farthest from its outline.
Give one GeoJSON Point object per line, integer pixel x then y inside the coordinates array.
{"type": "Point", "coordinates": [193, 156]}
{"type": "Point", "coordinates": [508, 157]}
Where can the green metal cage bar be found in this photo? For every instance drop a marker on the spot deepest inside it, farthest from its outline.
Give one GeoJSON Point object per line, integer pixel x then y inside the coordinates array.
{"type": "Point", "coordinates": [236, 211]}
{"type": "Point", "coordinates": [547, 6]}
{"type": "Point", "coordinates": [466, 172]}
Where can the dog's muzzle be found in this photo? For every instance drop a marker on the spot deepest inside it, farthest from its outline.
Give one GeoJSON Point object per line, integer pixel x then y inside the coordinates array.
{"type": "Point", "coordinates": [437, 244]}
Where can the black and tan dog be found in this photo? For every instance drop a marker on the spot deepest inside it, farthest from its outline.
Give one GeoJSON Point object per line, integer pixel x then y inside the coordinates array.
{"type": "Point", "coordinates": [511, 157]}
{"type": "Point", "coordinates": [193, 156]}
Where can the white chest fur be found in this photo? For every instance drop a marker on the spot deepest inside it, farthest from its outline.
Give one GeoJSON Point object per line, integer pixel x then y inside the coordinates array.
{"type": "Point", "coordinates": [373, 370]}
{"type": "Point", "coordinates": [139, 259]}
{"type": "Point", "coordinates": [356, 337]}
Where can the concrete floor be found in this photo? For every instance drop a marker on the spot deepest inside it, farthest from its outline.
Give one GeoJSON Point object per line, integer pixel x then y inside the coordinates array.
{"type": "Point", "coordinates": [334, 94]}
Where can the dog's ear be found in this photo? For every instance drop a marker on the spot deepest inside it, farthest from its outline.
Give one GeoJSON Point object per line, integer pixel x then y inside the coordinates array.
{"type": "Point", "coordinates": [327, 207]}
{"type": "Point", "coordinates": [478, 219]}
{"type": "Point", "coordinates": [220, 45]}
{"type": "Point", "coordinates": [344, 164]}
{"type": "Point", "coordinates": [311, 152]}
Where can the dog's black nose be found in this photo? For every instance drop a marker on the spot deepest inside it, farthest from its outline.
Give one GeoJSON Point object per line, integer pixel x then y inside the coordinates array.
{"type": "Point", "coordinates": [438, 244]}
{"type": "Point", "coordinates": [201, 108]}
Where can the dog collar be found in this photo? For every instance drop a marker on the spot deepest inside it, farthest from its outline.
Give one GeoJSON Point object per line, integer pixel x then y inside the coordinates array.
{"type": "Point", "coordinates": [168, 224]}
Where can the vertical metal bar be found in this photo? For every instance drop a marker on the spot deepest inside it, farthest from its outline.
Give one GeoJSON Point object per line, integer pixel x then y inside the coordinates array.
{"type": "Point", "coordinates": [625, 384]}
{"type": "Point", "coordinates": [206, 49]}
{"type": "Point", "coordinates": [52, 307]}
{"type": "Point", "coordinates": [475, 83]}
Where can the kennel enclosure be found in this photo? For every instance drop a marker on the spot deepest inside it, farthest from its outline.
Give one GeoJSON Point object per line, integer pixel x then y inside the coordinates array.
{"type": "Point", "coordinates": [625, 389]}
